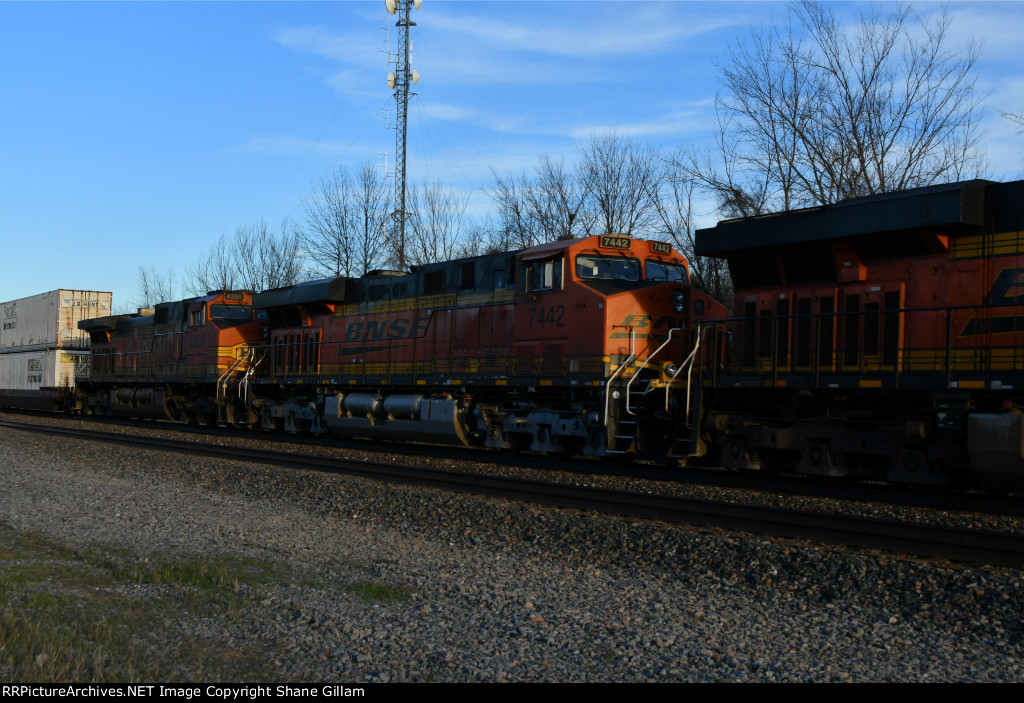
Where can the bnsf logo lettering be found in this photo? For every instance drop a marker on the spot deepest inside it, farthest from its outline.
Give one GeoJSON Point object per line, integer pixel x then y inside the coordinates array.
{"type": "Point", "coordinates": [644, 321]}
{"type": "Point", "coordinates": [1008, 288]}
{"type": "Point", "coordinates": [397, 328]}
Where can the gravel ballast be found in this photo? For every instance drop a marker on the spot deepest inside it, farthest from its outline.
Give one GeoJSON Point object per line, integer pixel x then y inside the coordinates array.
{"type": "Point", "coordinates": [502, 591]}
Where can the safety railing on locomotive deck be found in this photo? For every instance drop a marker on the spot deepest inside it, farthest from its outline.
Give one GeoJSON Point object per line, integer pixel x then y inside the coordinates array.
{"type": "Point", "coordinates": [951, 342]}
{"type": "Point", "coordinates": [222, 380]}
{"type": "Point", "coordinates": [703, 328]}
{"type": "Point", "coordinates": [83, 367]}
{"type": "Point", "coordinates": [636, 374]}
{"type": "Point", "coordinates": [244, 383]}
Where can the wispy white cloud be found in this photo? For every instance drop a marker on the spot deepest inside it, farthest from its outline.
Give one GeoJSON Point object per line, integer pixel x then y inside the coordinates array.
{"type": "Point", "coordinates": [663, 126]}
{"type": "Point", "coordinates": [619, 28]}
{"type": "Point", "coordinates": [444, 111]}
{"type": "Point", "coordinates": [994, 26]}
{"type": "Point", "coordinates": [349, 48]}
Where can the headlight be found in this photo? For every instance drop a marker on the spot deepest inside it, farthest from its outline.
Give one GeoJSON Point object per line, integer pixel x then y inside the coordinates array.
{"type": "Point", "coordinates": [679, 301]}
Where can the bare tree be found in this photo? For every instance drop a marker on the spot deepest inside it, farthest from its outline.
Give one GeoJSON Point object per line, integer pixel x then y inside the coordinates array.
{"type": "Point", "coordinates": [370, 218]}
{"type": "Point", "coordinates": [558, 201]}
{"type": "Point", "coordinates": [345, 225]}
{"type": "Point", "coordinates": [528, 211]}
{"type": "Point", "coordinates": [216, 271]}
{"type": "Point", "coordinates": [554, 204]}
{"type": "Point", "coordinates": [326, 235]}
{"type": "Point", "coordinates": [516, 227]}
{"type": "Point", "coordinates": [265, 260]}
{"type": "Point", "coordinates": [1017, 118]}
{"type": "Point", "coordinates": [436, 219]}
{"type": "Point", "coordinates": [154, 287]}
{"type": "Point", "coordinates": [619, 177]}
{"type": "Point", "coordinates": [252, 259]}
{"type": "Point", "coordinates": [674, 204]}
{"type": "Point", "coordinates": [812, 111]}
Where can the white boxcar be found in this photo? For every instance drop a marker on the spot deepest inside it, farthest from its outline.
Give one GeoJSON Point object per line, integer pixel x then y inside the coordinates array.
{"type": "Point", "coordinates": [50, 320]}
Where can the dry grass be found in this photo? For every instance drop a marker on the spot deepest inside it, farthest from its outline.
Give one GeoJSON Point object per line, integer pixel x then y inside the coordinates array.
{"type": "Point", "coordinates": [103, 615]}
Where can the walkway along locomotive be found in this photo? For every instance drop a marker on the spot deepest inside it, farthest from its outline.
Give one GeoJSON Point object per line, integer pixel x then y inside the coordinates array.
{"type": "Point", "coordinates": [566, 346]}
{"type": "Point", "coordinates": [879, 337]}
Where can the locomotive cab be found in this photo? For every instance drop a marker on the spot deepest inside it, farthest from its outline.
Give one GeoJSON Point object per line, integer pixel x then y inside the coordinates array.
{"type": "Point", "coordinates": [638, 294]}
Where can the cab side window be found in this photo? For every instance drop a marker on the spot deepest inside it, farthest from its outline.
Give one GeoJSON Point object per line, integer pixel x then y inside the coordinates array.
{"type": "Point", "coordinates": [544, 275]}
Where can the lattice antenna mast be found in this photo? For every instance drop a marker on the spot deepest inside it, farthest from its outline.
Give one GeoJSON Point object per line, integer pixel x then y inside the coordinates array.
{"type": "Point", "coordinates": [400, 80]}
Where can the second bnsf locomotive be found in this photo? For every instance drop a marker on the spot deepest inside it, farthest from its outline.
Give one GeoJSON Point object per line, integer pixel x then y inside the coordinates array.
{"type": "Point", "coordinates": [568, 346]}
{"type": "Point", "coordinates": [879, 337]}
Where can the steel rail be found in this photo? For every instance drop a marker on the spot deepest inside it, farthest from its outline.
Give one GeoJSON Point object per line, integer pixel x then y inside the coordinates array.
{"type": "Point", "coordinates": [958, 544]}
{"type": "Point", "coordinates": [710, 477]}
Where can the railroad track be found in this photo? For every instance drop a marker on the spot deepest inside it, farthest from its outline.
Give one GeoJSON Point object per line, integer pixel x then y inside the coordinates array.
{"type": "Point", "coordinates": [957, 544]}
{"type": "Point", "coordinates": [791, 485]}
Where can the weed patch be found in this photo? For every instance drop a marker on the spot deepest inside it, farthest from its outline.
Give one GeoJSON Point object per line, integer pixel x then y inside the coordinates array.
{"type": "Point", "coordinates": [372, 591]}
{"type": "Point", "coordinates": [105, 615]}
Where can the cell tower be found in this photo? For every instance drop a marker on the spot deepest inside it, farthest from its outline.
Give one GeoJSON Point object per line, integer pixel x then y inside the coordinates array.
{"type": "Point", "coordinates": [400, 79]}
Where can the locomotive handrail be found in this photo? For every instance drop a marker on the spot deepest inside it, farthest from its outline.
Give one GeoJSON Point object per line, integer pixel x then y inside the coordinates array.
{"type": "Point", "coordinates": [243, 386]}
{"type": "Point", "coordinates": [222, 380]}
{"type": "Point", "coordinates": [83, 368]}
{"type": "Point", "coordinates": [948, 343]}
{"type": "Point", "coordinates": [622, 367]}
{"type": "Point", "coordinates": [688, 363]}
{"type": "Point", "coordinates": [644, 365]}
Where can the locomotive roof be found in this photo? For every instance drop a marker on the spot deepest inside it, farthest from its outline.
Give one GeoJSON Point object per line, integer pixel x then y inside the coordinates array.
{"type": "Point", "coordinates": [327, 290]}
{"type": "Point", "coordinates": [108, 323]}
{"type": "Point", "coordinates": [542, 251]}
{"type": "Point", "coordinates": [949, 207]}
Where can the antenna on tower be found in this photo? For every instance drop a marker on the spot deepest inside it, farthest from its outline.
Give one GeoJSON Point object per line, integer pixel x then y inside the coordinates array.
{"type": "Point", "coordinates": [399, 80]}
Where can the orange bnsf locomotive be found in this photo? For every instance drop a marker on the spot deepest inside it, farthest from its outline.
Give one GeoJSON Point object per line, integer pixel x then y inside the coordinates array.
{"type": "Point", "coordinates": [186, 361]}
{"type": "Point", "coordinates": [567, 346]}
{"type": "Point", "coordinates": [879, 337]}
{"type": "Point", "coordinates": [560, 347]}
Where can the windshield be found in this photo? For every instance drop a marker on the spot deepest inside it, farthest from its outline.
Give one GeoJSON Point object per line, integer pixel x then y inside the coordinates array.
{"type": "Point", "coordinates": [230, 312]}
{"type": "Point", "coordinates": [609, 268]}
{"type": "Point", "coordinates": [662, 271]}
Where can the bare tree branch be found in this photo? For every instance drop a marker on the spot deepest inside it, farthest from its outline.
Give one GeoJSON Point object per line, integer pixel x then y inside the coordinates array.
{"type": "Point", "coordinates": [154, 287]}
{"type": "Point", "coordinates": [252, 259]}
{"type": "Point", "coordinates": [1015, 117]}
{"type": "Point", "coordinates": [619, 176]}
{"type": "Point", "coordinates": [436, 219]}
{"type": "Point", "coordinates": [813, 111]}
{"type": "Point", "coordinates": [674, 204]}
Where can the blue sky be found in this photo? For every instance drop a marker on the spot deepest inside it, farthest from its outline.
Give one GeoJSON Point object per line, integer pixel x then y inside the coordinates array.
{"type": "Point", "coordinates": [136, 133]}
